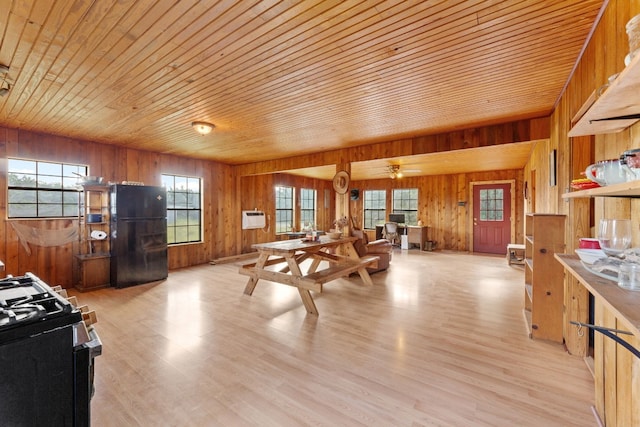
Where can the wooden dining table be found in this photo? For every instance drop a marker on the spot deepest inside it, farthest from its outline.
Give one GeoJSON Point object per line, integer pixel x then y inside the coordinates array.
{"type": "Point", "coordinates": [281, 262]}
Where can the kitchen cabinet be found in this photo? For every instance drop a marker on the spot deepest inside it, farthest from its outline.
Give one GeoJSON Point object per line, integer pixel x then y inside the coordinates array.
{"type": "Point", "coordinates": [618, 100]}
{"type": "Point", "coordinates": [544, 276]}
{"type": "Point", "coordinates": [92, 262]}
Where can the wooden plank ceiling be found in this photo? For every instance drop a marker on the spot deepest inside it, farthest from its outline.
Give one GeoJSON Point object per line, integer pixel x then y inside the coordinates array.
{"type": "Point", "coordinates": [282, 78]}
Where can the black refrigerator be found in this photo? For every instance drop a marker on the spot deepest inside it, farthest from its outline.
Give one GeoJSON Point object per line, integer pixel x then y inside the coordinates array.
{"type": "Point", "coordinates": [138, 235]}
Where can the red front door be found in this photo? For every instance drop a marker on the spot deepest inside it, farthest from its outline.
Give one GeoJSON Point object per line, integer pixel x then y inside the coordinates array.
{"type": "Point", "coordinates": [491, 218]}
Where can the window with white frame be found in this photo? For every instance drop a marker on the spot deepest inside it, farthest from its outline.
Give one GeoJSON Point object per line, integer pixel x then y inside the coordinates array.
{"type": "Point", "coordinates": [284, 209]}
{"type": "Point", "coordinates": [375, 209]}
{"type": "Point", "coordinates": [184, 208]}
{"type": "Point", "coordinates": [405, 201]}
{"type": "Point", "coordinates": [307, 208]}
{"type": "Point", "coordinates": [38, 189]}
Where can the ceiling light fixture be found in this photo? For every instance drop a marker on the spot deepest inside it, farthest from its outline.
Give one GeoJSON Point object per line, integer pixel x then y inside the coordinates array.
{"type": "Point", "coordinates": [394, 171]}
{"type": "Point", "coordinates": [203, 128]}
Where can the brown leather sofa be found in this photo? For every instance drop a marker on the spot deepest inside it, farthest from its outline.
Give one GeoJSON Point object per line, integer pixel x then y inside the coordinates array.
{"type": "Point", "coordinates": [381, 248]}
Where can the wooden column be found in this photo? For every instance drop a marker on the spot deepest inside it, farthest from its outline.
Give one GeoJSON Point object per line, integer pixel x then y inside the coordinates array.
{"type": "Point", "coordinates": [342, 200]}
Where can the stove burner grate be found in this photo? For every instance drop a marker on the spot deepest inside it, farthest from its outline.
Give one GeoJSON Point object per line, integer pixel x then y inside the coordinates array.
{"type": "Point", "coordinates": [23, 313]}
{"type": "Point", "coordinates": [27, 299]}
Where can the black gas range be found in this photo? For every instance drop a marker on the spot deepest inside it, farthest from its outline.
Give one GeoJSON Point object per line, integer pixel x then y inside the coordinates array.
{"type": "Point", "coordinates": [29, 306]}
{"type": "Point", "coordinates": [46, 356]}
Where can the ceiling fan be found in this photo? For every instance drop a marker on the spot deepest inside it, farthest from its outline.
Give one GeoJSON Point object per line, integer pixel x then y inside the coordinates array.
{"type": "Point", "coordinates": [395, 172]}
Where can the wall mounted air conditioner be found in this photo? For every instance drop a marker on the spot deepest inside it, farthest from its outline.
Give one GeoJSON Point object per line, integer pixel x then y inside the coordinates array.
{"type": "Point", "coordinates": [253, 219]}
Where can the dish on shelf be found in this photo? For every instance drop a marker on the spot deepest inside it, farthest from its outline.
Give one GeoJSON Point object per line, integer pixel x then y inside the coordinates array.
{"type": "Point", "coordinates": [590, 256]}
{"type": "Point", "coordinates": [583, 184]}
{"type": "Point", "coordinates": [609, 275]}
{"type": "Point", "coordinates": [607, 267]}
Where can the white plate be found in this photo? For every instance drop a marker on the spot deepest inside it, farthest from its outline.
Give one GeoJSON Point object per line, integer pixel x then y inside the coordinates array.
{"type": "Point", "coordinates": [600, 274]}
{"type": "Point", "coordinates": [590, 255]}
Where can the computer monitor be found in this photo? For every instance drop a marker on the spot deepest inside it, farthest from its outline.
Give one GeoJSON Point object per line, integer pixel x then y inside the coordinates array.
{"type": "Point", "coordinates": [397, 218]}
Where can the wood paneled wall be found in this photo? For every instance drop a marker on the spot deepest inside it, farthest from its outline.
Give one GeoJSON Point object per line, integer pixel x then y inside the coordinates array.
{"type": "Point", "coordinates": [449, 223]}
{"type": "Point", "coordinates": [258, 193]}
{"type": "Point", "coordinates": [115, 164]}
{"type": "Point", "coordinates": [617, 388]}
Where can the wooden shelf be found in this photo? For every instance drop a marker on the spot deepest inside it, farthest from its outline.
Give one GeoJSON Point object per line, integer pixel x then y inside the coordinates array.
{"type": "Point", "coordinates": [543, 278]}
{"type": "Point", "coordinates": [529, 263]}
{"type": "Point", "coordinates": [624, 189]}
{"type": "Point", "coordinates": [621, 302]}
{"type": "Point", "coordinates": [619, 99]}
{"type": "Point", "coordinates": [92, 263]}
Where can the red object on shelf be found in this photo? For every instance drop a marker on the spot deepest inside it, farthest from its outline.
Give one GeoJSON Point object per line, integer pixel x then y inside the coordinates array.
{"type": "Point", "coordinates": [583, 184]}
{"type": "Point", "coordinates": [588, 243]}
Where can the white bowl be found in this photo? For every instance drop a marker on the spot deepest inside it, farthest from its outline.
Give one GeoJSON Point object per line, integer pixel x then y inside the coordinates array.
{"type": "Point", "coordinates": [334, 234]}
{"type": "Point", "coordinates": [590, 255]}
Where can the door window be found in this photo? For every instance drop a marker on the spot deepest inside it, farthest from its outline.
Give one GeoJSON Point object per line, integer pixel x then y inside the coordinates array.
{"type": "Point", "coordinates": [492, 205]}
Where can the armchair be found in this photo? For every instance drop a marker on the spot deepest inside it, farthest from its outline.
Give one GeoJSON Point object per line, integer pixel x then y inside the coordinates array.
{"type": "Point", "coordinates": [381, 248]}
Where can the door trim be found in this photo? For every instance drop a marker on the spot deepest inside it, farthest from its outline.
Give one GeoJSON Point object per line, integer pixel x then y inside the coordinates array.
{"type": "Point", "coordinates": [512, 189]}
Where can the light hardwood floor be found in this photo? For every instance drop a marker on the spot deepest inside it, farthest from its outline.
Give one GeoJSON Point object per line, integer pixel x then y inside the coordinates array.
{"type": "Point", "coordinates": [439, 340]}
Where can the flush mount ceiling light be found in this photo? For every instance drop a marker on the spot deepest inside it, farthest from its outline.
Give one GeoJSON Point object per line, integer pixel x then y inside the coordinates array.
{"type": "Point", "coordinates": [203, 128]}
{"type": "Point", "coordinates": [394, 171]}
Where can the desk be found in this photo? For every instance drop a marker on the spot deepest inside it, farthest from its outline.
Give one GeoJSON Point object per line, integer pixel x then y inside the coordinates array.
{"type": "Point", "coordinates": [416, 234]}
{"type": "Point", "coordinates": [292, 253]}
